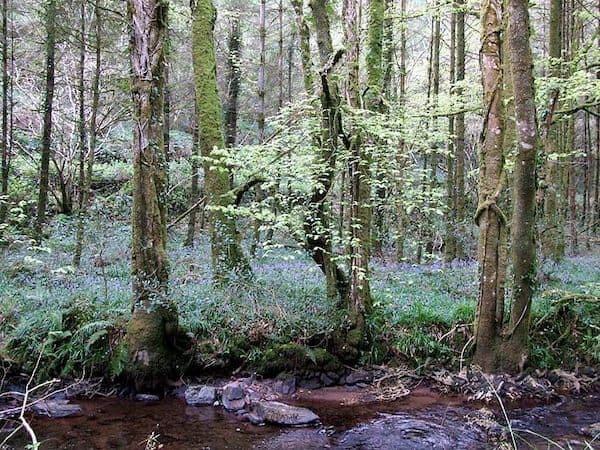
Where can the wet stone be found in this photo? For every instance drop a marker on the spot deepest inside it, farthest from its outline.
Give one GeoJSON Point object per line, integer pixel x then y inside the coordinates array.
{"type": "Point", "coordinates": [56, 408]}
{"type": "Point", "coordinates": [359, 376]}
{"type": "Point", "coordinates": [200, 395]}
{"type": "Point", "coordinates": [285, 385]}
{"type": "Point", "coordinates": [147, 398]}
{"type": "Point", "coordinates": [282, 414]}
{"type": "Point", "coordinates": [233, 397]}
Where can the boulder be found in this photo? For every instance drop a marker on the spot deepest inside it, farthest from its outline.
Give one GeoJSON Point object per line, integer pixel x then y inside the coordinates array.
{"type": "Point", "coordinates": [285, 384]}
{"type": "Point", "coordinates": [200, 395]}
{"type": "Point", "coordinates": [282, 414]}
{"type": "Point", "coordinates": [233, 396]}
{"type": "Point", "coordinates": [359, 376]}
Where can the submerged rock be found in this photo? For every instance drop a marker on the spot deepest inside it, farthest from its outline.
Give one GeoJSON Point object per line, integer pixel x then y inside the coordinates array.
{"type": "Point", "coordinates": [56, 408]}
{"type": "Point", "coordinates": [147, 398]}
{"type": "Point", "coordinates": [359, 376]}
{"type": "Point", "coordinates": [282, 414]}
{"type": "Point", "coordinates": [200, 395]}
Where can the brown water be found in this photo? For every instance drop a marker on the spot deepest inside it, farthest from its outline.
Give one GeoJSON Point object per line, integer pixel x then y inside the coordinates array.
{"type": "Point", "coordinates": [425, 420]}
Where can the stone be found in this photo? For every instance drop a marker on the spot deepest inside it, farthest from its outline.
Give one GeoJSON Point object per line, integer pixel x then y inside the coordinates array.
{"type": "Point", "coordinates": [200, 395]}
{"type": "Point", "coordinates": [310, 383]}
{"type": "Point", "coordinates": [56, 408]}
{"type": "Point", "coordinates": [281, 414]}
{"type": "Point", "coordinates": [285, 385]}
{"type": "Point", "coordinates": [326, 381]}
{"type": "Point", "coordinates": [359, 376]}
{"type": "Point", "coordinates": [147, 398]}
{"type": "Point", "coordinates": [233, 396]}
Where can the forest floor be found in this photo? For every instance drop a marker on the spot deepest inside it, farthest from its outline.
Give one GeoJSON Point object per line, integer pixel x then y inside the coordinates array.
{"type": "Point", "coordinates": [75, 319]}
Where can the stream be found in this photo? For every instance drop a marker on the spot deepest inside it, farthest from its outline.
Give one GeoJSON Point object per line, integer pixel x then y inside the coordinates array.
{"type": "Point", "coordinates": [424, 420]}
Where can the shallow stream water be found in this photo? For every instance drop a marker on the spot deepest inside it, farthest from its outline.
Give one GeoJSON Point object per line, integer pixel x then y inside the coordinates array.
{"type": "Point", "coordinates": [424, 420]}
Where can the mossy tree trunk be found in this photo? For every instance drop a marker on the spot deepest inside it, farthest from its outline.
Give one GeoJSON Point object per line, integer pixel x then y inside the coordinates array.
{"type": "Point", "coordinates": [515, 349]}
{"type": "Point", "coordinates": [228, 258]}
{"type": "Point", "coordinates": [491, 220]}
{"type": "Point", "coordinates": [360, 188]}
{"type": "Point", "coordinates": [152, 328]}
{"type": "Point", "coordinates": [402, 215]}
{"type": "Point", "coordinates": [552, 233]}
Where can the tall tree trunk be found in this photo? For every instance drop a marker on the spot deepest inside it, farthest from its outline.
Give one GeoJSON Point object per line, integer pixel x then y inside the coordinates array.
{"type": "Point", "coordinates": [515, 350]}
{"type": "Point", "coordinates": [304, 44]}
{"type": "Point", "coordinates": [233, 81]}
{"type": "Point", "coordinates": [552, 235]}
{"type": "Point", "coordinates": [153, 326]}
{"type": "Point", "coordinates": [227, 256]}
{"type": "Point", "coordinates": [317, 227]}
{"type": "Point", "coordinates": [81, 209]}
{"type": "Point", "coordinates": [262, 33]}
{"type": "Point", "coordinates": [6, 146]}
{"type": "Point", "coordinates": [402, 219]}
{"type": "Point", "coordinates": [374, 102]}
{"type": "Point", "coordinates": [195, 189]}
{"type": "Point", "coordinates": [491, 220]}
{"type": "Point", "coordinates": [459, 146]}
{"type": "Point", "coordinates": [93, 135]}
{"type": "Point", "coordinates": [450, 244]}
{"type": "Point", "coordinates": [45, 150]}
{"type": "Point", "coordinates": [360, 193]}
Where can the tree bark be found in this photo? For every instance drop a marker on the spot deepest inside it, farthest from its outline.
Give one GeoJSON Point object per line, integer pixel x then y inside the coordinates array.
{"type": "Point", "coordinates": [6, 101]}
{"type": "Point", "coordinates": [491, 220]}
{"type": "Point", "coordinates": [515, 350]}
{"type": "Point", "coordinates": [153, 326]}
{"type": "Point", "coordinates": [45, 150]}
{"type": "Point", "coordinates": [228, 259]}
{"type": "Point", "coordinates": [360, 192]}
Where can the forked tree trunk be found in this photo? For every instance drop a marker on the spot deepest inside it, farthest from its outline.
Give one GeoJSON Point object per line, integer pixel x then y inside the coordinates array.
{"type": "Point", "coordinates": [153, 326]}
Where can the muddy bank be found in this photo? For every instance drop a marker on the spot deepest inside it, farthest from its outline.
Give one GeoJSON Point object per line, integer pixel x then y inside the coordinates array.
{"type": "Point", "coordinates": [350, 418]}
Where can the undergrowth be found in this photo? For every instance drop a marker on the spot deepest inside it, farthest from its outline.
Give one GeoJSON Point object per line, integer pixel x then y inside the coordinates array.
{"type": "Point", "coordinates": [422, 315]}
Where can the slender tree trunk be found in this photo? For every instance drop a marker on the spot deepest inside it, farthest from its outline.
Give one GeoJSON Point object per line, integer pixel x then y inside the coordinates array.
{"type": "Point", "coordinates": [491, 220]}
{"type": "Point", "coordinates": [233, 82]}
{"type": "Point", "coordinates": [81, 209]}
{"type": "Point", "coordinates": [402, 219]}
{"type": "Point", "coordinates": [45, 150]}
{"type": "Point", "coordinates": [450, 244]}
{"type": "Point", "coordinates": [552, 235]}
{"type": "Point", "coordinates": [195, 189]}
{"type": "Point", "coordinates": [93, 133]}
{"type": "Point", "coordinates": [459, 146]}
{"type": "Point", "coordinates": [227, 256]}
{"type": "Point", "coordinates": [6, 146]}
{"type": "Point", "coordinates": [374, 102]}
{"type": "Point", "coordinates": [262, 32]}
{"type": "Point", "coordinates": [304, 44]}
{"type": "Point", "coordinates": [360, 193]}
{"type": "Point", "coordinates": [153, 326]}
{"type": "Point", "coordinates": [515, 350]}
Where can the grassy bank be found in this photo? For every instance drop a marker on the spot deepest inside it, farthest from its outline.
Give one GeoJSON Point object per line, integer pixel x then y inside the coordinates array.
{"type": "Point", "coordinates": [423, 315]}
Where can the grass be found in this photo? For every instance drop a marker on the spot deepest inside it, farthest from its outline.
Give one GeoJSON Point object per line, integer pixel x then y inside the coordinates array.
{"type": "Point", "coordinates": [422, 314]}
